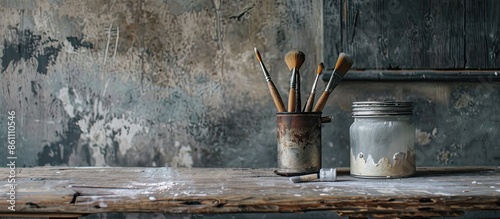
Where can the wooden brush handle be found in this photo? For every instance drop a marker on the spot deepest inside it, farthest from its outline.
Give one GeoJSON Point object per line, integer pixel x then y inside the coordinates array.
{"type": "Point", "coordinates": [291, 100]}
{"type": "Point", "coordinates": [309, 103]}
{"type": "Point", "coordinates": [276, 97]}
{"type": "Point", "coordinates": [321, 102]}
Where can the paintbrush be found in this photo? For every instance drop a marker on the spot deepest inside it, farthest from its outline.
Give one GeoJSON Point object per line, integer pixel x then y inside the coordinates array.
{"type": "Point", "coordinates": [344, 63]}
{"type": "Point", "coordinates": [294, 60]}
{"type": "Point", "coordinates": [274, 92]}
{"type": "Point", "coordinates": [324, 175]}
{"type": "Point", "coordinates": [310, 100]}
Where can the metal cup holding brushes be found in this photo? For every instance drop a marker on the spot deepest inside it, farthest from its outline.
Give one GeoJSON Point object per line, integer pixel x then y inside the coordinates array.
{"type": "Point", "coordinates": [299, 133]}
{"type": "Point", "coordinates": [299, 143]}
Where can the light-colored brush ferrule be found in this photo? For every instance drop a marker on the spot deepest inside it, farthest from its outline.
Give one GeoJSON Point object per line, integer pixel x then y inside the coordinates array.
{"type": "Point", "coordinates": [293, 79]}
{"type": "Point", "coordinates": [266, 73]}
{"type": "Point", "coordinates": [313, 89]}
{"type": "Point", "coordinates": [334, 81]}
{"type": "Point", "coordinates": [328, 175]}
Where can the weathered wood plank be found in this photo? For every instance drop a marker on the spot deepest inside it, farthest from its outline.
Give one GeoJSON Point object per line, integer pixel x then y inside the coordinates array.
{"type": "Point", "coordinates": [332, 32]}
{"type": "Point", "coordinates": [405, 34]}
{"type": "Point", "coordinates": [483, 34]}
{"type": "Point", "coordinates": [483, 76]}
{"type": "Point", "coordinates": [432, 192]}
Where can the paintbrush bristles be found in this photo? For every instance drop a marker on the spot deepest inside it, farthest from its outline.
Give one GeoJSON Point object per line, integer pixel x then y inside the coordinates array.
{"type": "Point", "coordinates": [295, 59]}
{"type": "Point", "coordinates": [344, 63]}
{"type": "Point", "coordinates": [257, 53]}
{"type": "Point", "coordinates": [320, 68]}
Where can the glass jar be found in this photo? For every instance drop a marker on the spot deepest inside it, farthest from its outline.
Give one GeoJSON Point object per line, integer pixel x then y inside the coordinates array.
{"type": "Point", "coordinates": [382, 139]}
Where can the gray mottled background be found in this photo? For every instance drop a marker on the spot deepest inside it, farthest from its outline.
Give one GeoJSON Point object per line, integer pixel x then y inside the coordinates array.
{"type": "Point", "coordinates": [176, 83]}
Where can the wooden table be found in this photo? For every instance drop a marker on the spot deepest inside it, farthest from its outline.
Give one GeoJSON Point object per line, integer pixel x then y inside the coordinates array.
{"type": "Point", "coordinates": [73, 192]}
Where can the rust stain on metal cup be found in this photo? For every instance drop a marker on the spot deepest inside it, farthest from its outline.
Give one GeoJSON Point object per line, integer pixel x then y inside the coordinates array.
{"type": "Point", "coordinates": [299, 143]}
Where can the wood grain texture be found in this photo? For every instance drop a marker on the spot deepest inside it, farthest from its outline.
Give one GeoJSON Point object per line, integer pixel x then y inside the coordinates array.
{"type": "Point", "coordinates": [483, 76]}
{"type": "Point", "coordinates": [321, 102]}
{"type": "Point", "coordinates": [483, 34]}
{"type": "Point", "coordinates": [310, 102]}
{"type": "Point", "coordinates": [409, 35]}
{"type": "Point", "coordinates": [431, 192]}
{"type": "Point", "coordinates": [332, 31]}
{"type": "Point", "coordinates": [404, 34]}
{"type": "Point", "coordinates": [275, 95]}
{"type": "Point", "coordinates": [292, 100]}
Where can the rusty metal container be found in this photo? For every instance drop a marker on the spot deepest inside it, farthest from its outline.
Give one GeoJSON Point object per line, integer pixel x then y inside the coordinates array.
{"type": "Point", "coordinates": [299, 142]}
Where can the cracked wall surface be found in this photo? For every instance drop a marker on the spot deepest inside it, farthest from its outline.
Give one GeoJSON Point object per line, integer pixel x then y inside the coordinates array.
{"type": "Point", "coordinates": [147, 83]}
{"type": "Point", "coordinates": [176, 83]}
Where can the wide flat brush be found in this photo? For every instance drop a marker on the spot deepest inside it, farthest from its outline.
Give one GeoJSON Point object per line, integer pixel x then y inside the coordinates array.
{"type": "Point", "coordinates": [280, 106]}
{"type": "Point", "coordinates": [344, 63]}
{"type": "Point", "coordinates": [294, 60]}
{"type": "Point", "coordinates": [310, 100]}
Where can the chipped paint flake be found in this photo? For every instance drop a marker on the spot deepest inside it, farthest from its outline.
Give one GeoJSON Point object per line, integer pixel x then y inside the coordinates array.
{"type": "Point", "coordinates": [423, 138]}
{"type": "Point", "coordinates": [126, 131]}
{"type": "Point", "coordinates": [183, 158]}
{"type": "Point", "coordinates": [63, 96]}
{"type": "Point", "coordinates": [446, 156]}
{"type": "Point", "coordinates": [464, 101]}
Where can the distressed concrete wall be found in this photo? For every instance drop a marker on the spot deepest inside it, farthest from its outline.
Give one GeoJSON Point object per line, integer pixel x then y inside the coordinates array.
{"type": "Point", "coordinates": [149, 83]}
{"type": "Point", "coordinates": [456, 122]}
{"type": "Point", "coordinates": [176, 83]}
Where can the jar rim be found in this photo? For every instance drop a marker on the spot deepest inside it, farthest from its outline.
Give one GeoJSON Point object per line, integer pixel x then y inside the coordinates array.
{"type": "Point", "coordinates": [381, 108]}
{"type": "Point", "coordinates": [382, 103]}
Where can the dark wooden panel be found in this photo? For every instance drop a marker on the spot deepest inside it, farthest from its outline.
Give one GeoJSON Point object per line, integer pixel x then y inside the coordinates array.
{"type": "Point", "coordinates": [485, 76]}
{"type": "Point", "coordinates": [483, 34]}
{"type": "Point", "coordinates": [399, 34]}
{"type": "Point", "coordinates": [332, 31]}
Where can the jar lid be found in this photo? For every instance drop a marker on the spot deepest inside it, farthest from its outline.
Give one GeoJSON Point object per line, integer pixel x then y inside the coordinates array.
{"type": "Point", "coordinates": [381, 108]}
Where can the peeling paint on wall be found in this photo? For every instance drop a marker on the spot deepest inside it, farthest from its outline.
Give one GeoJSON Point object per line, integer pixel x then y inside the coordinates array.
{"type": "Point", "coordinates": [28, 46]}
{"type": "Point", "coordinates": [100, 129]}
{"type": "Point", "coordinates": [176, 83]}
{"type": "Point", "coordinates": [445, 156]}
{"type": "Point", "coordinates": [423, 138]}
{"type": "Point", "coordinates": [183, 157]}
{"type": "Point", "coordinates": [59, 152]}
